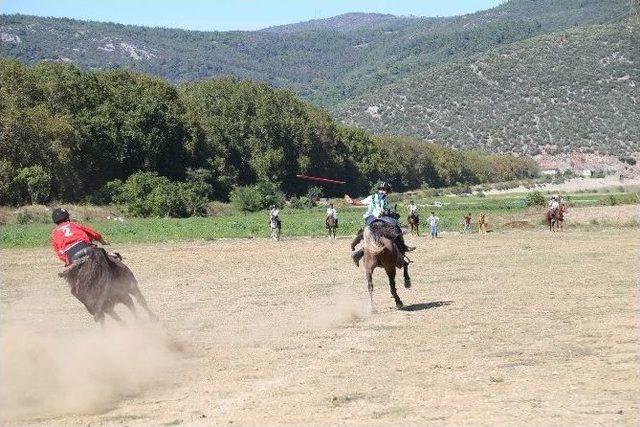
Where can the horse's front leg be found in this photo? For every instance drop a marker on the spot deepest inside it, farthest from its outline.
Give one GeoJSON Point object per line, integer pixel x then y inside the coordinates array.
{"type": "Point", "coordinates": [391, 274]}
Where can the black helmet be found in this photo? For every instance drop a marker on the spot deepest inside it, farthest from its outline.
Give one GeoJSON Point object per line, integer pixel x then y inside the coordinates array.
{"type": "Point", "coordinates": [384, 185]}
{"type": "Point", "coordinates": [60, 215]}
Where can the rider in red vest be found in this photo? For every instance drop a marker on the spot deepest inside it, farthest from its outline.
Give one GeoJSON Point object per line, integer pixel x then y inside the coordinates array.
{"type": "Point", "coordinates": [69, 238]}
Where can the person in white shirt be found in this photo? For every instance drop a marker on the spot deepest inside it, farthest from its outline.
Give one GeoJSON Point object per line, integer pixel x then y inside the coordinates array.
{"type": "Point", "coordinates": [433, 225]}
{"type": "Point", "coordinates": [554, 204]}
{"type": "Point", "coordinates": [413, 209]}
{"type": "Point", "coordinates": [331, 213]}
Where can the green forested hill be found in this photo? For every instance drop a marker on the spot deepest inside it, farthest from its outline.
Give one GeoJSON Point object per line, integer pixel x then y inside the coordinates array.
{"type": "Point", "coordinates": [577, 90]}
{"type": "Point", "coordinates": [70, 135]}
{"type": "Point", "coordinates": [342, 63]}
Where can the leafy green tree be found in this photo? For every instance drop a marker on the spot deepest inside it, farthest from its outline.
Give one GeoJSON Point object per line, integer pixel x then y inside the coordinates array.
{"type": "Point", "coordinates": [37, 182]}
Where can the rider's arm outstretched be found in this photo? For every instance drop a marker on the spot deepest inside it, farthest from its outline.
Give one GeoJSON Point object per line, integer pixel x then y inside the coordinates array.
{"type": "Point", "coordinates": [350, 201]}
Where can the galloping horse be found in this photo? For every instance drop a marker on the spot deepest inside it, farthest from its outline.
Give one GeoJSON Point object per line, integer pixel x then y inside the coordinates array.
{"type": "Point", "coordinates": [332, 225]}
{"type": "Point", "coordinates": [100, 281]}
{"type": "Point", "coordinates": [556, 219]}
{"type": "Point", "coordinates": [275, 225]}
{"type": "Point", "coordinates": [381, 250]}
{"type": "Point", "coordinates": [414, 222]}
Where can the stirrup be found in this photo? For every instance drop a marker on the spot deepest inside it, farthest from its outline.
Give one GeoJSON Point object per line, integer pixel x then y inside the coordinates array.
{"type": "Point", "coordinates": [410, 248]}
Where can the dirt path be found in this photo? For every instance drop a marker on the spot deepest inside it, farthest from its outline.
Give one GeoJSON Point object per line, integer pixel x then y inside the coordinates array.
{"type": "Point", "coordinates": [255, 332]}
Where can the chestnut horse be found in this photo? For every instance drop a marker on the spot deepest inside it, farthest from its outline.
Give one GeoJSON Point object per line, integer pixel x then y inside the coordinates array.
{"type": "Point", "coordinates": [414, 222]}
{"type": "Point", "coordinates": [100, 281]}
{"type": "Point", "coordinates": [556, 219]}
{"type": "Point", "coordinates": [381, 250]}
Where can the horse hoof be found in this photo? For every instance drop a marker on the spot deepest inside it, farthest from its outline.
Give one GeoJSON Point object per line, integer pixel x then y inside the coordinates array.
{"type": "Point", "coordinates": [407, 284]}
{"type": "Point", "coordinates": [399, 305]}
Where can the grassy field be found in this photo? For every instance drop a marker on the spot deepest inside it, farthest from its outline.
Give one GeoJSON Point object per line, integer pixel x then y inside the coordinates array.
{"type": "Point", "coordinates": [499, 209]}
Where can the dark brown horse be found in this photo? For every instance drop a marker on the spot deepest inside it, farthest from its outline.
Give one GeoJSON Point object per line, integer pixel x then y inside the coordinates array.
{"type": "Point", "coordinates": [381, 250]}
{"type": "Point", "coordinates": [414, 221]}
{"type": "Point", "coordinates": [555, 220]}
{"type": "Point", "coordinates": [332, 225]}
{"type": "Point", "coordinates": [100, 281]}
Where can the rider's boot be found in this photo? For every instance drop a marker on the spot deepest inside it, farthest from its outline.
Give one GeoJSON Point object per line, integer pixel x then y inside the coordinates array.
{"type": "Point", "coordinates": [356, 256]}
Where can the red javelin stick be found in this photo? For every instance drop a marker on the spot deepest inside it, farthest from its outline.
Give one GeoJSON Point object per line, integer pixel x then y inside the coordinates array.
{"type": "Point", "coordinates": [315, 178]}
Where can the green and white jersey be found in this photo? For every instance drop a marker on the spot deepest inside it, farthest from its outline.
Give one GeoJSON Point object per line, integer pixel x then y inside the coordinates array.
{"type": "Point", "coordinates": [377, 203]}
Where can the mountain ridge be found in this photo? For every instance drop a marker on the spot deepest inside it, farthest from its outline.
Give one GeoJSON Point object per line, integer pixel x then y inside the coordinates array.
{"type": "Point", "coordinates": [335, 62]}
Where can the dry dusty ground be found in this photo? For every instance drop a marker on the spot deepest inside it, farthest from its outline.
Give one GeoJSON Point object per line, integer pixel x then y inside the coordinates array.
{"type": "Point", "coordinates": [506, 328]}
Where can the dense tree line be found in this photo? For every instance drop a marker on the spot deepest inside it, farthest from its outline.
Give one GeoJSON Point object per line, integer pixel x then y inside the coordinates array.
{"type": "Point", "coordinates": [73, 135]}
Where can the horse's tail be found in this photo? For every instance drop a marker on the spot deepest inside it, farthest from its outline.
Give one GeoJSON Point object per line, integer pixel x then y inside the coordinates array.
{"type": "Point", "coordinates": [371, 243]}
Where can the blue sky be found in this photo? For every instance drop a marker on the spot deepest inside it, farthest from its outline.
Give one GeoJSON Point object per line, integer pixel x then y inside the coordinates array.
{"type": "Point", "coordinates": [232, 14]}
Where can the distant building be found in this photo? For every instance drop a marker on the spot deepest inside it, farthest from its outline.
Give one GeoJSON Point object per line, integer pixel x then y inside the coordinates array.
{"type": "Point", "coordinates": [586, 173]}
{"type": "Point", "coordinates": [549, 172]}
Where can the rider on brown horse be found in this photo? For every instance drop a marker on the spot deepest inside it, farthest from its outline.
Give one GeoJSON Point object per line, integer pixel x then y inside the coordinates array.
{"type": "Point", "coordinates": [378, 210]}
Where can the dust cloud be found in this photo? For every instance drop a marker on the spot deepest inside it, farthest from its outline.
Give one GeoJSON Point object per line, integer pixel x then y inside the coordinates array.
{"type": "Point", "coordinates": [46, 375]}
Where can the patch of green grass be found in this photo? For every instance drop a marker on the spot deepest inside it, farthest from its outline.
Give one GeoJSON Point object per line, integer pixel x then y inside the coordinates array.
{"type": "Point", "coordinates": [295, 222]}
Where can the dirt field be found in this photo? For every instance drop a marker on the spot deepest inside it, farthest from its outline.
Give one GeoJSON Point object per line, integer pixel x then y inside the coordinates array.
{"type": "Point", "coordinates": [521, 327]}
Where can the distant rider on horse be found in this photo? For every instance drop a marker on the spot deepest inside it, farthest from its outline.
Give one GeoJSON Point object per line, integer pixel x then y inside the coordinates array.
{"type": "Point", "coordinates": [378, 210]}
{"type": "Point", "coordinates": [554, 204]}
{"type": "Point", "coordinates": [274, 215]}
{"type": "Point", "coordinates": [331, 213]}
{"type": "Point", "coordinates": [69, 239]}
{"type": "Point", "coordinates": [413, 209]}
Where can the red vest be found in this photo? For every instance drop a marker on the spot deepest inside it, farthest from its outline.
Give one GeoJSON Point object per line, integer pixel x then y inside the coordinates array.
{"type": "Point", "coordinates": [67, 234]}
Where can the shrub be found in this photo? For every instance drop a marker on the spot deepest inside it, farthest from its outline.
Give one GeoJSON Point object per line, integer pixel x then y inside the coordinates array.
{"type": "Point", "coordinates": [24, 217]}
{"type": "Point", "coordinates": [314, 194]}
{"type": "Point", "coordinates": [252, 198]}
{"type": "Point", "coordinates": [37, 181]}
{"type": "Point", "coordinates": [107, 193]}
{"type": "Point", "coordinates": [146, 194]}
{"type": "Point", "coordinates": [535, 198]}
{"type": "Point", "coordinates": [301, 202]}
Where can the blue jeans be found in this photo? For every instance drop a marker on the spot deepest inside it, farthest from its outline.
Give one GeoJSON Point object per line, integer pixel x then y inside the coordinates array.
{"type": "Point", "coordinates": [433, 230]}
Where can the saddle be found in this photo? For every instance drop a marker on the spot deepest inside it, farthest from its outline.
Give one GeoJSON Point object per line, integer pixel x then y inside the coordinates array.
{"type": "Point", "coordinates": [80, 257]}
{"type": "Point", "coordinates": [381, 228]}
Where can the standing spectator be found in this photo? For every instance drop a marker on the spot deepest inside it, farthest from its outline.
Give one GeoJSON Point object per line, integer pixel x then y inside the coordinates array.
{"type": "Point", "coordinates": [331, 212]}
{"type": "Point", "coordinates": [482, 224]}
{"type": "Point", "coordinates": [433, 225]}
{"type": "Point", "coordinates": [467, 223]}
